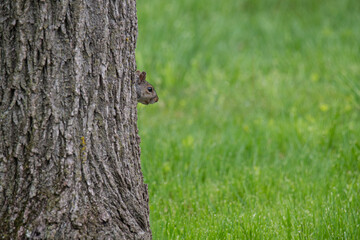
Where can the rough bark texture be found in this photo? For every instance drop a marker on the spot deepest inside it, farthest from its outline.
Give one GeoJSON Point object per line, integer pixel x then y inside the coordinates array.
{"type": "Point", "coordinates": [69, 149]}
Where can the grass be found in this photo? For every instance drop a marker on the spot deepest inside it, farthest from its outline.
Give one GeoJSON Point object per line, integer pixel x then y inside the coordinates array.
{"type": "Point", "coordinates": [257, 131]}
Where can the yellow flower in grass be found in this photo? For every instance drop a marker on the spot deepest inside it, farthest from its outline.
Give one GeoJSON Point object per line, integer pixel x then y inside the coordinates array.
{"type": "Point", "coordinates": [324, 107]}
{"type": "Point", "coordinates": [188, 141]}
{"type": "Point", "coordinates": [246, 128]}
{"type": "Point", "coordinates": [315, 77]}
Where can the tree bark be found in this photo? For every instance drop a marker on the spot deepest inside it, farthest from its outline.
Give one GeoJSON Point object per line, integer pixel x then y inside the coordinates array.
{"type": "Point", "coordinates": [69, 149]}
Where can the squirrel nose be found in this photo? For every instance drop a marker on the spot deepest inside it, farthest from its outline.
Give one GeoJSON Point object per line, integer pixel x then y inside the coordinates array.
{"type": "Point", "coordinates": [156, 99]}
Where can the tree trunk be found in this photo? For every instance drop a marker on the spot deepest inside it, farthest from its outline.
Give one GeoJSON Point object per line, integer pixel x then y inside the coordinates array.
{"type": "Point", "coordinates": [69, 149]}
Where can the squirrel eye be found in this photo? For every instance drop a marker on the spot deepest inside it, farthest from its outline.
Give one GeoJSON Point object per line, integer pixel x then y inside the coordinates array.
{"type": "Point", "coordinates": [149, 89]}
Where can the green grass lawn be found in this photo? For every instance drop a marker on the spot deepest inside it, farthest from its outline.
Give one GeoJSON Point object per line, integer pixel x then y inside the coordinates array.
{"type": "Point", "coordinates": [257, 131]}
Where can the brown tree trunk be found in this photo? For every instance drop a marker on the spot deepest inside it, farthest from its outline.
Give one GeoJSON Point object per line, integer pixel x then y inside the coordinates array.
{"type": "Point", "coordinates": [69, 149]}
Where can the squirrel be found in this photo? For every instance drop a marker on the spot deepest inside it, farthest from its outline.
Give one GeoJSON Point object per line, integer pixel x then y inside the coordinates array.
{"type": "Point", "coordinates": [146, 93]}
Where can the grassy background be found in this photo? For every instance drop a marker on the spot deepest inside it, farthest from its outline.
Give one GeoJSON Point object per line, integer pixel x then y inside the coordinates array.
{"type": "Point", "coordinates": [257, 131]}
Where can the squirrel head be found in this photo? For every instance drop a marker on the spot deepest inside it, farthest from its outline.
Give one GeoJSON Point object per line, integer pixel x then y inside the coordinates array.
{"type": "Point", "coordinates": [145, 92]}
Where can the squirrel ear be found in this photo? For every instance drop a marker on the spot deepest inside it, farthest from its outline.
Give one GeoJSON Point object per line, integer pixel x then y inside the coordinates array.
{"type": "Point", "coordinates": [142, 76]}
